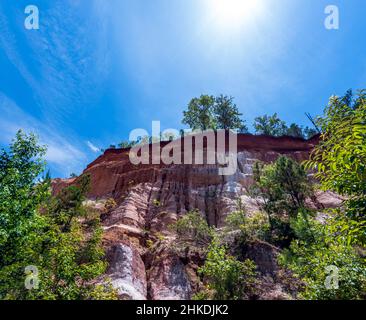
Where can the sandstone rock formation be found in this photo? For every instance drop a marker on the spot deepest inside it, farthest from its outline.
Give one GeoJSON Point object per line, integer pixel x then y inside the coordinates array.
{"type": "Point", "coordinates": [151, 197]}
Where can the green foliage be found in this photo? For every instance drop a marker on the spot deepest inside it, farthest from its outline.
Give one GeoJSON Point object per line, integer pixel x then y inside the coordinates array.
{"type": "Point", "coordinates": [274, 126]}
{"type": "Point", "coordinates": [227, 278]}
{"type": "Point", "coordinates": [127, 144]}
{"type": "Point", "coordinates": [149, 244]}
{"type": "Point", "coordinates": [282, 187]}
{"type": "Point", "coordinates": [109, 205]}
{"type": "Point", "coordinates": [199, 115]}
{"type": "Point", "coordinates": [208, 112]}
{"type": "Point", "coordinates": [251, 227]}
{"type": "Point", "coordinates": [166, 136]}
{"type": "Point", "coordinates": [305, 227]}
{"type": "Point", "coordinates": [159, 236]}
{"type": "Point", "coordinates": [339, 161]}
{"type": "Point", "coordinates": [340, 158]}
{"type": "Point", "coordinates": [46, 232]}
{"type": "Point", "coordinates": [227, 115]}
{"type": "Point", "coordinates": [270, 125]}
{"type": "Point", "coordinates": [202, 295]}
{"type": "Point", "coordinates": [294, 130]}
{"type": "Point", "coordinates": [193, 227]}
{"type": "Point", "coordinates": [310, 132]}
{"type": "Point", "coordinates": [156, 203]}
{"type": "Point", "coordinates": [68, 204]}
{"type": "Point", "coordinates": [20, 195]}
{"type": "Point", "coordinates": [318, 247]}
{"type": "Point", "coordinates": [104, 292]}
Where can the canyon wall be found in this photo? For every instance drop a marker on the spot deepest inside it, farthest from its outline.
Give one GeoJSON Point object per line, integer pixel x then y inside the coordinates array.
{"type": "Point", "coordinates": [149, 198]}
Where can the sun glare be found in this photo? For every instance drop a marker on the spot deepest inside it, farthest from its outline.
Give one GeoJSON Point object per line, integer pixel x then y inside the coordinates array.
{"type": "Point", "coordinates": [234, 13]}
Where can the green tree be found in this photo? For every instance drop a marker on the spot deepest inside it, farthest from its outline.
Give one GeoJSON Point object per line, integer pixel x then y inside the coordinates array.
{"type": "Point", "coordinates": [340, 160]}
{"type": "Point", "coordinates": [192, 227]}
{"type": "Point", "coordinates": [283, 184]}
{"type": "Point", "coordinates": [270, 125]}
{"type": "Point", "coordinates": [71, 256]}
{"type": "Point", "coordinates": [226, 277]}
{"type": "Point", "coordinates": [310, 132]}
{"type": "Point", "coordinates": [199, 115]}
{"type": "Point", "coordinates": [296, 131]}
{"type": "Point", "coordinates": [227, 114]}
{"type": "Point", "coordinates": [283, 187]}
{"type": "Point", "coordinates": [254, 226]}
{"type": "Point", "coordinates": [127, 144]}
{"type": "Point", "coordinates": [20, 196]}
{"type": "Point", "coordinates": [316, 248]}
{"type": "Point", "coordinates": [39, 230]}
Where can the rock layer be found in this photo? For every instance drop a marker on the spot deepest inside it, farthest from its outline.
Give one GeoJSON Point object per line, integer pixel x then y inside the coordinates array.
{"type": "Point", "coordinates": [151, 197]}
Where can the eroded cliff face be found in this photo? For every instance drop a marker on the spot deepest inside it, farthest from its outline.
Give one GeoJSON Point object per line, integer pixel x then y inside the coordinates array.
{"type": "Point", "coordinates": [143, 263]}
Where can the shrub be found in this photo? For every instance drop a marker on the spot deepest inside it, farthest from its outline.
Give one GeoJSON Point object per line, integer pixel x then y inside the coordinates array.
{"type": "Point", "coordinates": [251, 227]}
{"type": "Point", "coordinates": [282, 188]}
{"type": "Point", "coordinates": [194, 228]}
{"type": "Point", "coordinates": [228, 278]}
{"type": "Point", "coordinates": [313, 252]}
{"type": "Point", "coordinates": [109, 205]}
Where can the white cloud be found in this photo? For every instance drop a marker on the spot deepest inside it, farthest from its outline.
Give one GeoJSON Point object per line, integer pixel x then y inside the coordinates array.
{"type": "Point", "coordinates": [92, 147]}
{"type": "Point", "coordinates": [72, 60]}
{"type": "Point", "coordinates": [66, 157]}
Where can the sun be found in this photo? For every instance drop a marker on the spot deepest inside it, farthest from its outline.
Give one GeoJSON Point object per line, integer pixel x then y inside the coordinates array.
{"type": "Point", "coordinates": [234, 13]}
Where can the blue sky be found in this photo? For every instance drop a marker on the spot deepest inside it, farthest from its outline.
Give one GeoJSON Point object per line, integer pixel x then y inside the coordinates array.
{"type": "Point", "coordinates": [96, 69]}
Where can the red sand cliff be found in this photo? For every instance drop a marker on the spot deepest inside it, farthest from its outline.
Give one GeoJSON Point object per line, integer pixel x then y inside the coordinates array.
{"type": "Point", "coordinates": [151, 197]}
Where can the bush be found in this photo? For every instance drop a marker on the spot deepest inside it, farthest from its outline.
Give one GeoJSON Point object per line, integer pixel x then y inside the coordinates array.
{"type": "Point", "coordinates": [251, 227]}
{"type": "Point", "coordinates": [109, 205]}
{"type": "Point", "coordinates": [315, 251]}
{"type": "Point", "coordinates": [192, 227]}
{"type": "Point", "coordinates": [282, 188]}
{"type": "Point", "coordinates": [226, 277]}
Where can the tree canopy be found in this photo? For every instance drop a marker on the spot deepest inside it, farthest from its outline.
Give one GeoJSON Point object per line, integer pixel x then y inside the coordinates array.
{"type": "Point", "coordinates": [270, 125]}
{"type": "Point", "coordinates": [227, 114]}
{"type": "Point", "coordinates": [208, 112]}
{"type": "Point", "coordinates": [42, 237]}
{"type": "Point", "coordinates": [199, 115]}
